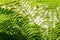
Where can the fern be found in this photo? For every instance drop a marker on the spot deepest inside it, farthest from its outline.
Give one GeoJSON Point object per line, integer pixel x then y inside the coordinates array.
{"type": "Point", "coordinates": [23, 20]}
{"type": "Point", "coordinates": [14, 19]}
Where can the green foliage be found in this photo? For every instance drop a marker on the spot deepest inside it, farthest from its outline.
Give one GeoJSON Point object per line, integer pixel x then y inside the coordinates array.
{"type": "Point", "coordinates": [29, 20]}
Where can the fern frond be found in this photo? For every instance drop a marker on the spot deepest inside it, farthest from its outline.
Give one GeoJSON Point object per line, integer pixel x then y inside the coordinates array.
{"type": "Point", "coordinates": [30, 19]}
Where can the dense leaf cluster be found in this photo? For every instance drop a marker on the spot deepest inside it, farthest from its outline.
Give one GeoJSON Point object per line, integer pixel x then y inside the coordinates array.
{"type": "Point", "coordinates": [18, 22]}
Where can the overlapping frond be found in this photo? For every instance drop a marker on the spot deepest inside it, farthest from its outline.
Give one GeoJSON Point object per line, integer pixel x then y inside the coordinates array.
{"type": "Point", "coordinates": [30, 19]}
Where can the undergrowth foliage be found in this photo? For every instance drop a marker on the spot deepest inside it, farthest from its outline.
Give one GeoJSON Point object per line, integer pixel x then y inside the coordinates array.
{"type": "Point", "coordinates": [23, 20]}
